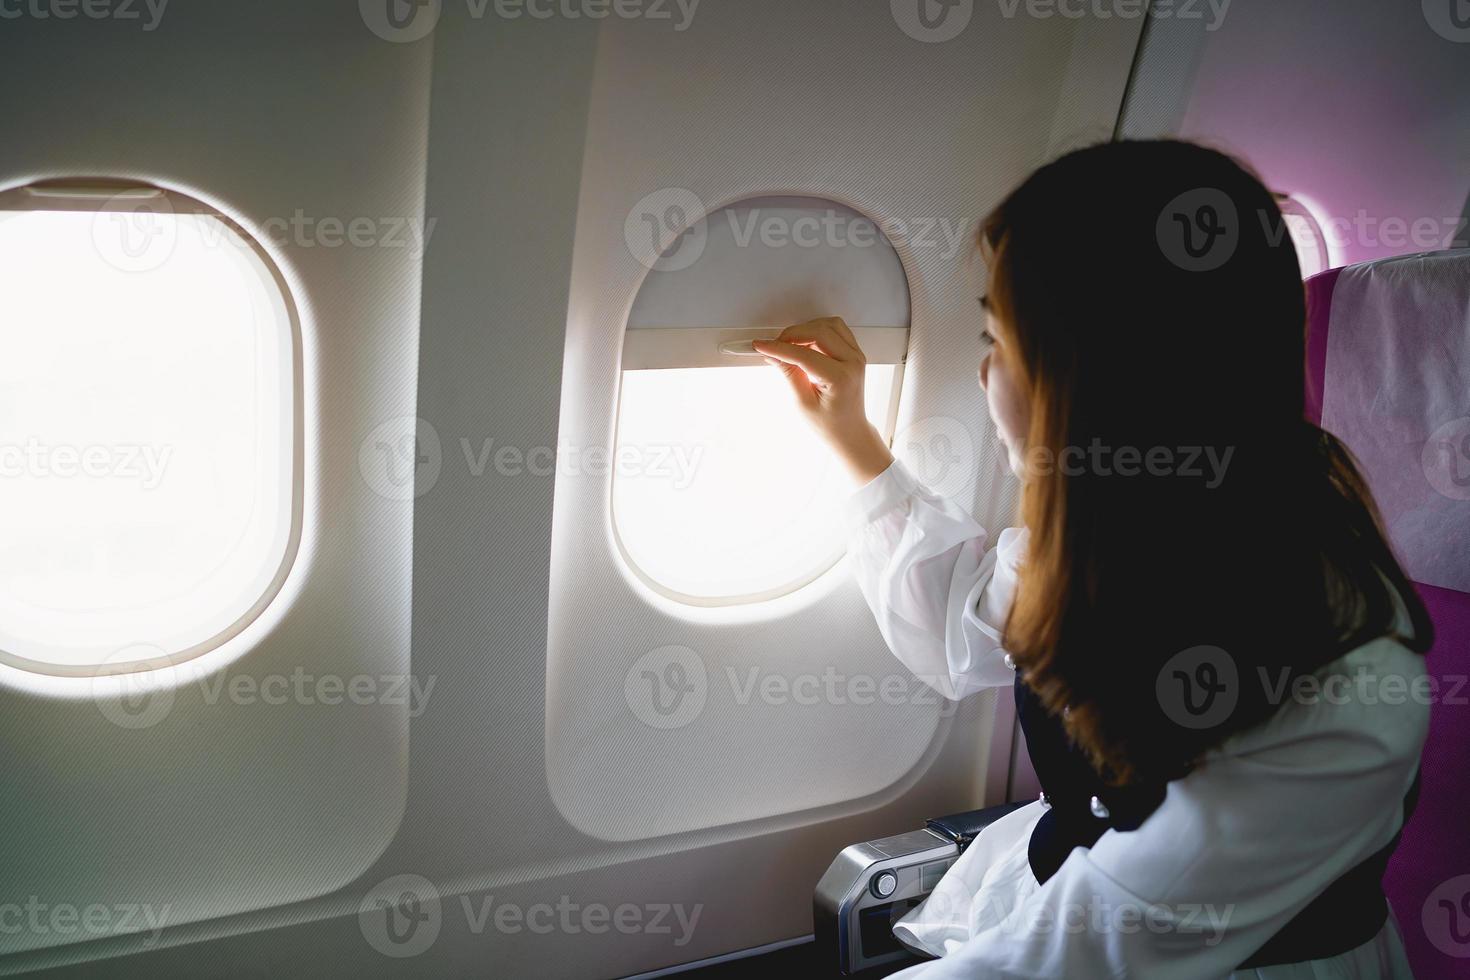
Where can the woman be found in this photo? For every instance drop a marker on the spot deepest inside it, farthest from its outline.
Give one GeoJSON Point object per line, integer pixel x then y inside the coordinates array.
{"type": "Point", "coordinates": [1209, 637]}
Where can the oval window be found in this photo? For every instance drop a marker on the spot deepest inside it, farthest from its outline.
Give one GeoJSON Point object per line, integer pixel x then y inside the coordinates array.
{"type": "Point", "coordinates": [1312, 252]}
{"type": "Point", "coordinates": [150, 484]}
{"type": "Point", "coordinates": [720, 493]}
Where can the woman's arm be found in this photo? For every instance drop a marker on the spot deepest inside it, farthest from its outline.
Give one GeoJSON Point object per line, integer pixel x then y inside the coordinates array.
{"type": "Point", "coordinates": [939, 592]}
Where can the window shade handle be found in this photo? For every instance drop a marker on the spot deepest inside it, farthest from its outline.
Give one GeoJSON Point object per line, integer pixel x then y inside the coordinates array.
{"type": "Point", "coordinates": [740, 348]}
{"type": "Point", "coordinates": [653, 348]}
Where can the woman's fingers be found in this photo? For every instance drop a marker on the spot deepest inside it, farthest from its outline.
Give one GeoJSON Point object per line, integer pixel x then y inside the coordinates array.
{"type": "Point", "coordinates": [829, 334]}
{"type": "Point", "coordinates": [840, 325]}
{"type": "Point", "coordinates": [815, 363]}
{"type": "Point", "coordinates": [801, 385]}
{"type": "Point", "coordinates": [825, 368]}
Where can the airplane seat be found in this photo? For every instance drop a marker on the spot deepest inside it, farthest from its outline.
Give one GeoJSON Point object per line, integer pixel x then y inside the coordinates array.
{"type": "Point", "coordinates": [1408, 299]}
{"type": "Point", "coordinates": [1386, 311]}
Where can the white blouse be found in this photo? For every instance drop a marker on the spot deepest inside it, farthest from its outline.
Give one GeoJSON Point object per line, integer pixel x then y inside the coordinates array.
{"type": "Point", "coordinates": [1239, 846]}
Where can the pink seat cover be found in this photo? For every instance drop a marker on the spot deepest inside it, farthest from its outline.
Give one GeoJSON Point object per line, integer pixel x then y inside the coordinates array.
{"type": "Point", "coordinates": [1428, 879]}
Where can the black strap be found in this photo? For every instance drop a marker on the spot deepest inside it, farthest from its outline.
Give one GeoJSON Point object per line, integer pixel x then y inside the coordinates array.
{"type": "Point", "coordinates": [1347, 914]}
{"type": "Point", "coordinates": [1344, 916]}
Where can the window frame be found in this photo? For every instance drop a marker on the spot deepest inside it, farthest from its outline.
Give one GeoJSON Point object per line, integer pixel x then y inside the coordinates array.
{"type": "Point", "coordinates": [110, 195]}
{"type": "Point", "coordinates": [1292, 207]}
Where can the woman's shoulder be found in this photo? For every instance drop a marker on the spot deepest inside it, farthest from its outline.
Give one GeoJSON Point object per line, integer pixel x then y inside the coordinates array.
{"type": "Point", "coordinates": [1373, 701]}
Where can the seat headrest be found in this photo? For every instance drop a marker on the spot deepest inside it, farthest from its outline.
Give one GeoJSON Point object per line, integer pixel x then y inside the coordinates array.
{"type": "Point", "coordinates": [1395, 387]}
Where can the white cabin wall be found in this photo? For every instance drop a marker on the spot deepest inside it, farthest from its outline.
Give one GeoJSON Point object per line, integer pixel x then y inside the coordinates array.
{"type": "Point", "coordinates": [312, 110]}
{"type": "Point", "coordinates": [228, 803]}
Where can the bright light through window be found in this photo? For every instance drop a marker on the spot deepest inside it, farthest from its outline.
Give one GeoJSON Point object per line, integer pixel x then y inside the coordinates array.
{"type": "Point", "coordinates": [147, 436]}
{"type": "Point", "coordinates": [1312, 252]}
{"type": "Point", "coordinates": [722, 493]}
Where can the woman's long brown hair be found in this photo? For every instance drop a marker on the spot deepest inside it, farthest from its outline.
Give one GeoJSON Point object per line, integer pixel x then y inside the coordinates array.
{"type": "Point", "coordinates": [1150, 298]}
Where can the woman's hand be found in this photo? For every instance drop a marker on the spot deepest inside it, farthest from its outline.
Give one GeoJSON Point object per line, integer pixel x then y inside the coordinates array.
{"type": "Point", "coordinates": [825, 366]}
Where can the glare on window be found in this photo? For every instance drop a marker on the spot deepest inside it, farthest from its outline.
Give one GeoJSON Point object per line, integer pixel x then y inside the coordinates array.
{"type": "Point", "coordinates": [721, 493]}
{"type": "Point", "coordinates": [148, 476]}
{"type": "Point", "coordinates": [1312, 252]}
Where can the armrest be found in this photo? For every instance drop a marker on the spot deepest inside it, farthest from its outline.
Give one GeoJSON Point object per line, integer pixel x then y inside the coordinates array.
{"type": "Point", "coordinates": [871, 885]}
{"type": "Point", "coordinates": [962, 827]}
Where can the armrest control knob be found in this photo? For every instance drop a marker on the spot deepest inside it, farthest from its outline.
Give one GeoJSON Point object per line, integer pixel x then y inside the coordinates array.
{"type": "Point", "coordinates": [884, 884]}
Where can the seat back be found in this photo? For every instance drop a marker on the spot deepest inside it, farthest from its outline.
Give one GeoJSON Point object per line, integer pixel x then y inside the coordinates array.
{"type": "Point", "coordinates": [1426, 347]}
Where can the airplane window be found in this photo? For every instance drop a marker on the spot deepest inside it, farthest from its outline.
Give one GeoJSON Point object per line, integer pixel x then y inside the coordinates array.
{"type": "Point", "coordinates": [149, 500]}
{"type": "Point", "coordinates": [720, 495]}
{"type": "Point", "coordinates": [1312, 252]}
